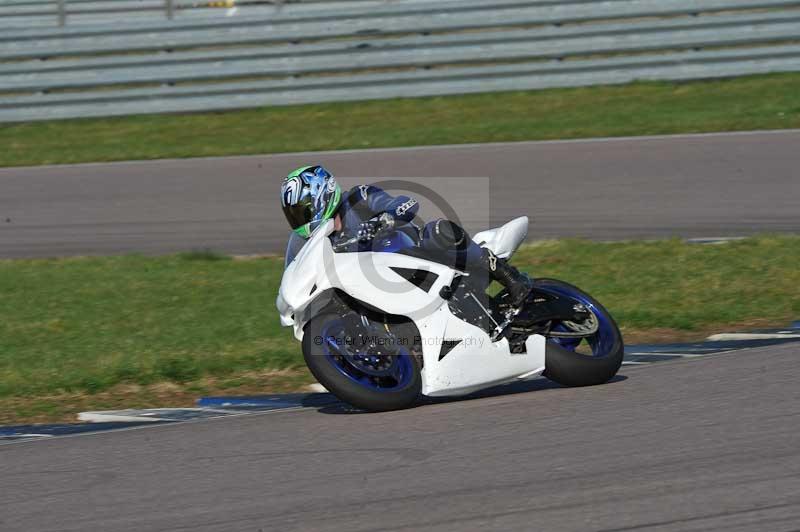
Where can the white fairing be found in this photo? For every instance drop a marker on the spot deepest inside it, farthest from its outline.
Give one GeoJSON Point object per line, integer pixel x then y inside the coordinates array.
{"type": "Point", "coordinates": [505, 240]}
{"type": "Point", "coordinates": [473, 364]}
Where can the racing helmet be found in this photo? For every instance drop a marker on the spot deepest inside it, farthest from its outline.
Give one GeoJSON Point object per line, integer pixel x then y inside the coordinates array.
{"type": "Point", "coordinates": [309, 196]}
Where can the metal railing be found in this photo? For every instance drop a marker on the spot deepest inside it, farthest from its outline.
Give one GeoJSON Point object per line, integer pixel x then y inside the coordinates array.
{"type": "Point", "coordinates": [256, 54]}
{"type": "Point", "coordinates": [59, 10]}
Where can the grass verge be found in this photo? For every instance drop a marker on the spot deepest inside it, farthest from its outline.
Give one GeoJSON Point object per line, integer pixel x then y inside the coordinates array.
{"type": "Point", "coordinates": [86, 333]}
{"type": "Point", "coordinates": [747, 103]}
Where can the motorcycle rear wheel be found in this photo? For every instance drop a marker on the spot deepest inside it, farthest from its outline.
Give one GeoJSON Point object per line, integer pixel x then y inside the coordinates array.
{"type": "Point", "coordinates": [566, 366]}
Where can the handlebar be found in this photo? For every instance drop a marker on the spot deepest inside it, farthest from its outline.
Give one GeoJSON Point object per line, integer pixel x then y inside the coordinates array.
{"type": "Point", "coordinates": [383, 227]}
{"type": "Point", "coordinates": [344, 243]}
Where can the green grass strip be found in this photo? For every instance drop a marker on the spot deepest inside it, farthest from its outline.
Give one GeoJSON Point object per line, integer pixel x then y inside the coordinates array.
{"type": "Point", "coordinates": [84, 325]}
{"type": "Point", "coordinates": [747, 103]}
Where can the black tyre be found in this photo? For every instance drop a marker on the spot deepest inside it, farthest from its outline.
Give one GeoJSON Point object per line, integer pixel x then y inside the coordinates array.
{"type": "Point", "coordinates": [386, 377]}
{"type": "Point", "coordinates": [566, 366]}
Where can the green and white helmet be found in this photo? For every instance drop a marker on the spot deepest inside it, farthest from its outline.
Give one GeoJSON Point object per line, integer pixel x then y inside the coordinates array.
{"type": "Point", "coordinates": [309, 196]}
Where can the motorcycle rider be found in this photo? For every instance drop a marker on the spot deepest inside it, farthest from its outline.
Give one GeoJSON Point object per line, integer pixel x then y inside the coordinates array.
{"type": "Point", "coordinates": [310, 196]}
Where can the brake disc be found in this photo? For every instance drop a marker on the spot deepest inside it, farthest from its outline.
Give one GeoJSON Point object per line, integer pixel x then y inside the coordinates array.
{"type": "Point", "coordinates": [578, 329]}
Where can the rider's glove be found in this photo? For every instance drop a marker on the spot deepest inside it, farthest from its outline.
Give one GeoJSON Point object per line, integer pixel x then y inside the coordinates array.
{"type": "Point", "coordinates": [367, 230]}
{"type": "Point", "coordinates": [387, 221]}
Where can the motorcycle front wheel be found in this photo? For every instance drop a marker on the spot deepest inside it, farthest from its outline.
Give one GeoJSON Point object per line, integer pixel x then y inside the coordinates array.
{"type": "Point", "coordinates": [372, 369]}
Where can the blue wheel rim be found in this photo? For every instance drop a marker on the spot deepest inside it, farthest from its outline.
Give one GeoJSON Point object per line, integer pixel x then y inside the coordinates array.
{"type": "Point", "coordinates": [345, 358]}
{"type": "Point", "coordinates": [602, 342]}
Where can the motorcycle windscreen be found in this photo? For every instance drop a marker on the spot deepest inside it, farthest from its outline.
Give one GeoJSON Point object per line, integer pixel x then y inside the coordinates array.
{"type": "Point", "coordinates": [293, 247]}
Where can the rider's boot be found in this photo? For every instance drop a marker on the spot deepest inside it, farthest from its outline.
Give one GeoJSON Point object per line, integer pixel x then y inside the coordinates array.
{"type": "Point", "coordinates": [517, 283]}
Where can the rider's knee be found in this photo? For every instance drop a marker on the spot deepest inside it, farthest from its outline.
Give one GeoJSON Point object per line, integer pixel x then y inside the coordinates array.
{"type": "Point", "coordinates": [445, 235]}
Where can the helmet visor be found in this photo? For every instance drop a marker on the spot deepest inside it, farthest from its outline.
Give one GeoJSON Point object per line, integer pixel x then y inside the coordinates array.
{"type": "Point", "coordinates": [300, 213]}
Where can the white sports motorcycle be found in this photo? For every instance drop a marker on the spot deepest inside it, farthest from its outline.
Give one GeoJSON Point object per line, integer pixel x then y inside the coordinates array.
{"type": "Point", "coordinates": [380, 327]}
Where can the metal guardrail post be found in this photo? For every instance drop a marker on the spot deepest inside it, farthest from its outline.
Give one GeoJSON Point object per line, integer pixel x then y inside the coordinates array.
{"type": "Point", "coordinates": [62, 12]}
{"type": "Point", "coordinates": [170, 7]}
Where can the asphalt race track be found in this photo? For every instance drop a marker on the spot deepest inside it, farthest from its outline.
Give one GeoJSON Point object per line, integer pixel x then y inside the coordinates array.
{"type": "Point", "coordinates": [690, 186]}
{"type": "Point", "coordinates": [708, 444]}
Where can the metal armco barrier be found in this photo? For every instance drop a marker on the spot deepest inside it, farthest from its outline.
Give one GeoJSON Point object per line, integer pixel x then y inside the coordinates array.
{"type": "Point", "coordinates": [122, 57]}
